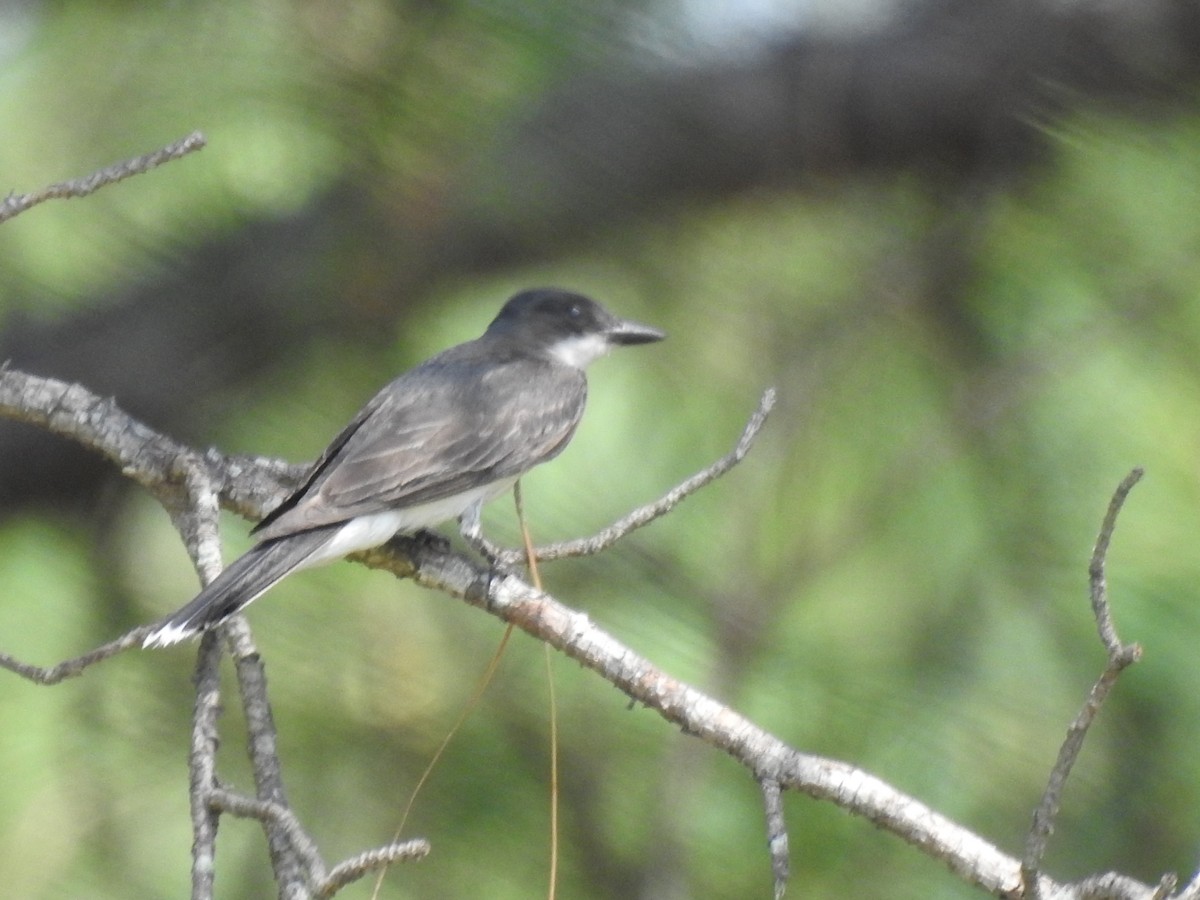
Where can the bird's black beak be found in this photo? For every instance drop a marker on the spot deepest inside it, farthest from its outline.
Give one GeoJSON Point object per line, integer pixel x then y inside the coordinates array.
{"type": "Point", "coordinates": [625, 331]}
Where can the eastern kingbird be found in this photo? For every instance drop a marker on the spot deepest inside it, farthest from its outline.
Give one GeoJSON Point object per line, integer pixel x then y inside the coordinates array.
{"type": "Point", "coordinates": [435, 444]}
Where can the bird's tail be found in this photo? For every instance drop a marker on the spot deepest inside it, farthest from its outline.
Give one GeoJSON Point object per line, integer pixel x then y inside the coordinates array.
{"type": "Point", "coordinates": [242, 582]}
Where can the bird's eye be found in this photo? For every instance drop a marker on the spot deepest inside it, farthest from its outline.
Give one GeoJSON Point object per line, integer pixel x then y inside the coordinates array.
{"type": "Point", "coordinates": [575, 311]}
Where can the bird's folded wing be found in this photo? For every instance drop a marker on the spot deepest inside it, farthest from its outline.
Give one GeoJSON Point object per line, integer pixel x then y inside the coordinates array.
{"type": "Point", "coordinates": [418, 443]}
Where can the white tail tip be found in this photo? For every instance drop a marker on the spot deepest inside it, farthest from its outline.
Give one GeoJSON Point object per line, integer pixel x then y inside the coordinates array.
{"type": "Point", "coordinates": [167, 636]}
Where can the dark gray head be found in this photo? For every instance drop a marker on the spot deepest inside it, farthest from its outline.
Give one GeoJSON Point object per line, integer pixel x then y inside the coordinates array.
{"type": "Point", "coordinates": [569, 327]}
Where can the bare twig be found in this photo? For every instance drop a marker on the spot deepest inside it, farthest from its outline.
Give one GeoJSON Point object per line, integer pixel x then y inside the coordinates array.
{"type": "Point", "coordinates": [202, 766]}
{"type": "Point", "coordinates": [262, 744]}
{"type": "Point", "coordinates": [356, 867]}
{"type": "Point", "coordinates": [573, 633]}
{"type": "Point", "coordinates": [295, 848]}
{"type": "Point", "coordinates": [1119, 657]}
{"type": "Point", "coordinates": [195, 513]}
{"type": "Point", "coordinates": [197, 520]}
{"type": "Point", "coordinates": [69, 668]}
{"type": "Point", "coordinates": [282, 820]}
{"type": "Point", "coordinates": [279, 818]}
{"type": "Point", "coordinates": [245, 485]}
{"type": "Point", "coordinates": [1096, 572]}
{"type": "Point", "coordinates": [644, 515]}
{"type": "Point", "coordinates": [15, 204]}
{"type": "Point", "coordinates": [777, 838]}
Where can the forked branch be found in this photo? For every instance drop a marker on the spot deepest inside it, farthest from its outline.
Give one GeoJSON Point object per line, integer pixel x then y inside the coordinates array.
{"type": "Point", "coordinates": [193, 487]}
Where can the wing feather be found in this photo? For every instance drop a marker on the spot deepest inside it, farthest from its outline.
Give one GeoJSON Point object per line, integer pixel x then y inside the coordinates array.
{"type": "Point", "coordinates": [447, 426]}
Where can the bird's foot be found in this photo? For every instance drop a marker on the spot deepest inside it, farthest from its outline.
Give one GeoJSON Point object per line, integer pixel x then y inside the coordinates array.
{"type": "Point", "coordinates": [502, 560]}
{"type": "Point", "coordinates": [499, 558]}
{"type": "Point", "coordinates": [431, 540]}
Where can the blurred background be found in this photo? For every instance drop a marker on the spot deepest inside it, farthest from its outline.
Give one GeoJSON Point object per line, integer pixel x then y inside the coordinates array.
{"type": "Point", "coordinates": [961, 239]}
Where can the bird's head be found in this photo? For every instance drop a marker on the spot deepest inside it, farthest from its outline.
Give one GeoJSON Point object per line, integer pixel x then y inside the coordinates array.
{"type": "Point", "coordinates": [569, 327]}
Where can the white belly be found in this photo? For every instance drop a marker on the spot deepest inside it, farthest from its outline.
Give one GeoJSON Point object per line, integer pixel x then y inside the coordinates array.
{"type": "Point", "coordinates": [365, 532]}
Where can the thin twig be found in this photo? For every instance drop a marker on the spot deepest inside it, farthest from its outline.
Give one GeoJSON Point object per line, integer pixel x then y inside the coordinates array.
{"type": "Point", "coordinates": [644, 515]}
{"type": "Point", "coordinates": [1119, 657]}
{"type": "Point", "coordinates": [279, 818]}
{"type": "Point", "coordinates": [70, 668]}
{"type": "Point", "coordinates": [15, 204]}
{"type": "Point", "coordinates": [195, 515]}
{"type": "Point", "coordinates": [262, 745]}
{"type": "Point", "coordinates": [777, 837]}
{"type": "Point", "coordinates": [202, 766]}
{"type": "Point", "coordinates": [1096, 570]}
{"type": "Point", "coordinates": [574, 633]}
{"type": "Point", "coordinates": [247, 485]}
{"type": "Point", "coordinates": [356, 867]}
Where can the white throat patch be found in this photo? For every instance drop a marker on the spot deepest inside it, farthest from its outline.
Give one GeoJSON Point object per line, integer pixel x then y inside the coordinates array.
{"type": "Point", "coordinates": [581, 350]}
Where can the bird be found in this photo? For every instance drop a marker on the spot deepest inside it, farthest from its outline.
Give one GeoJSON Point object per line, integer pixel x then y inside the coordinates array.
{"type": "Point", "coordinates": [433, 445]}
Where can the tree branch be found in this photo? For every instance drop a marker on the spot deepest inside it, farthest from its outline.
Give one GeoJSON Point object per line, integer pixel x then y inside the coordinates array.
{"type": "Point", "coordinates": [69, 668]}
{"type": "Point", "coordinates": [765, 755]}
{"type": "Point", "coordinates": [276, 818]}
{"type": "Point", "coordinates": [279, 819]}
{"type": "Point", "coordinates": [356, 867]}
{"type": "Point", "coordinates": [183, 477]}
{"type": "Point", "coordinates": [15, 204]}
{"type": "Point", "coordinates": [202, 766]}
{"type": "Point", "coordinates": [644, 515]}
{"type": "Point", "coordinates": [1120, 656]}
{"type": "Point", "coordinates": [777, 838]}
{"type": "Point", "coordinates": [264, 755]}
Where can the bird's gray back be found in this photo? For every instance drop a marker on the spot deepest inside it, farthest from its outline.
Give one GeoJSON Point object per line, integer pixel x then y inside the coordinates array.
{"type": "Point", "coordinates": [459, 419]}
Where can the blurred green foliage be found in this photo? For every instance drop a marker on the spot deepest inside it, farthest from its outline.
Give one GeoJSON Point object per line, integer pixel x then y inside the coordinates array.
{"type": "Point", "coordinates": [896, 576]}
